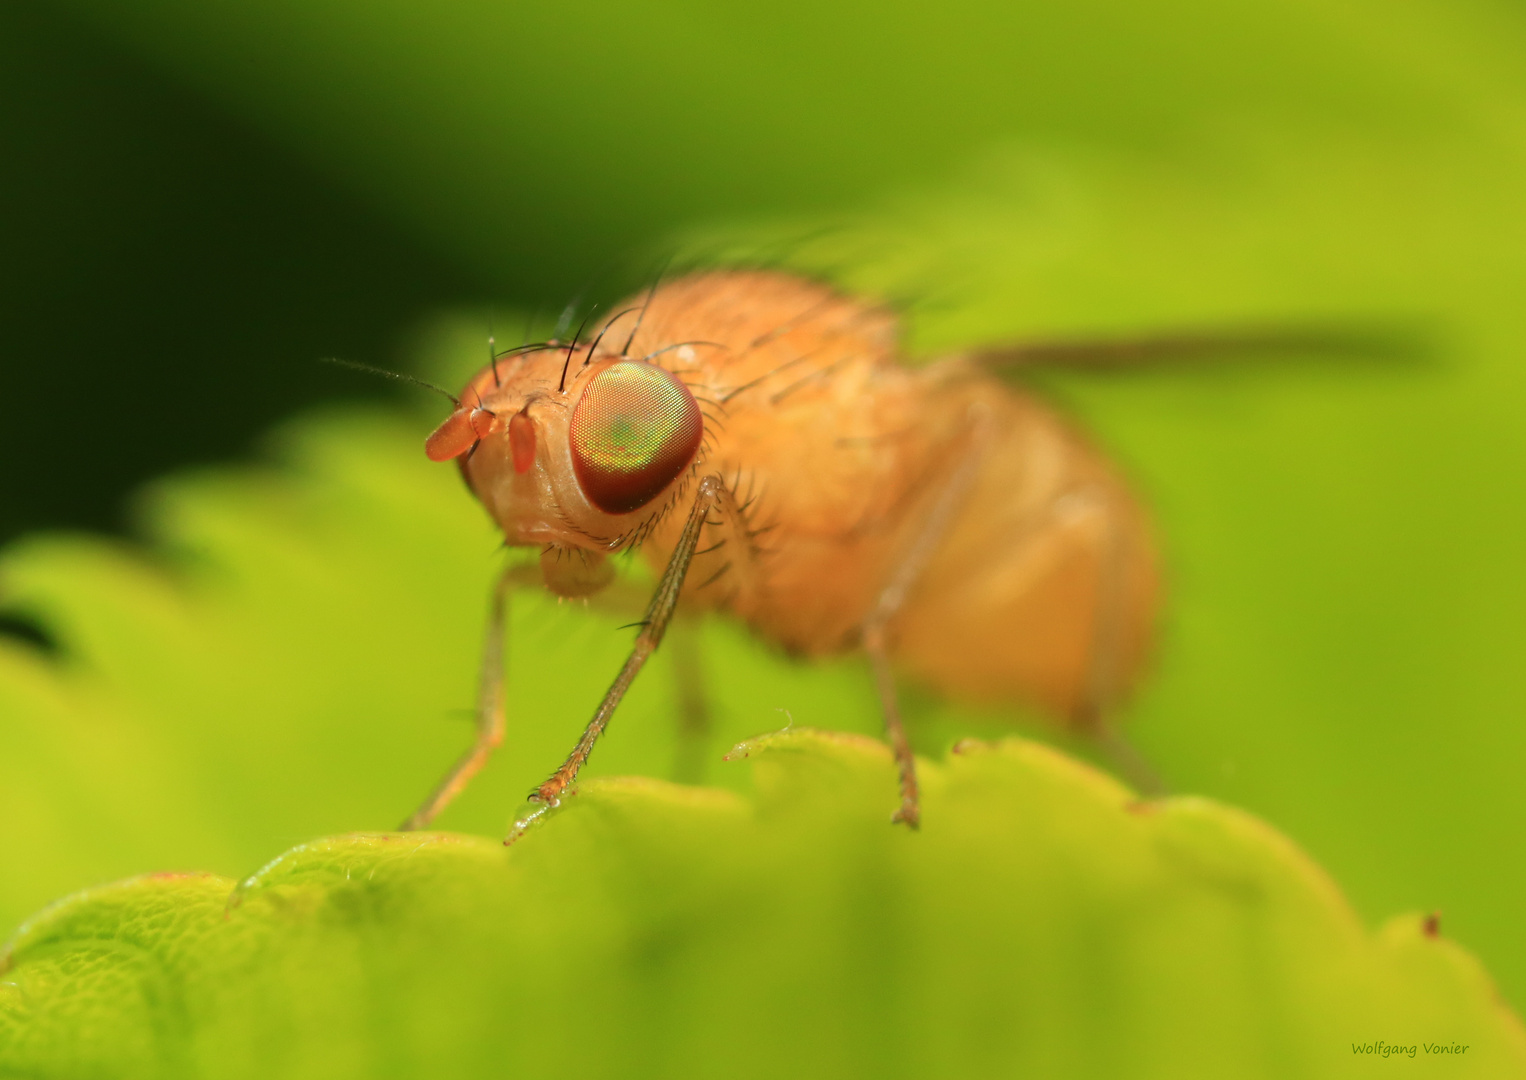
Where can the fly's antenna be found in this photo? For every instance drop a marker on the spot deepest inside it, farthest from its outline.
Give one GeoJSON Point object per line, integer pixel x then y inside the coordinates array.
{"type": "Point", "coordinates": [561, 387]}
{"type": "Point", "coordinates": [398, 376]}
{"type": "Point", "coordinates": [656, 281]}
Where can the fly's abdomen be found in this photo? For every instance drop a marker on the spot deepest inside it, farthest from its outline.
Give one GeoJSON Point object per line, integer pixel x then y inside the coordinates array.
{"type": "Point", "coordinates": [1044, 589]}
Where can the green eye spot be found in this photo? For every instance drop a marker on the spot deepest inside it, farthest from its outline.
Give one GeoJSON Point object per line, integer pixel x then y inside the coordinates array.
{"type": "Point", "coordinates": [635, 429]}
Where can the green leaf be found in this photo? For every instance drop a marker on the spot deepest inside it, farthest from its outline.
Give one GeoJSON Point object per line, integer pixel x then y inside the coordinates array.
{"type": "Point", "coordinates": [1042, 923]}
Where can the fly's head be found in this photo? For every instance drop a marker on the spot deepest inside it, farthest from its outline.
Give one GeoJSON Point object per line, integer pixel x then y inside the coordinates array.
{"type": "Point", "coordinates": [575, 452]}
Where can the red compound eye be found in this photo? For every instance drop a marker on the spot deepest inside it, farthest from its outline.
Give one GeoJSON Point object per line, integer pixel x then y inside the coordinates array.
{"type": "Point", "coordinates": [634, 430]}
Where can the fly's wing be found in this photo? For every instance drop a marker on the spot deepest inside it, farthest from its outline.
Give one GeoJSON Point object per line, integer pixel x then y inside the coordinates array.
{"type": "Point", "coordinates": [1227, 343]}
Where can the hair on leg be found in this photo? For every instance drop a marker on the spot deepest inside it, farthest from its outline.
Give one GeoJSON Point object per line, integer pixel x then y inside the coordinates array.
{"type": "Point", "coordinates": [658, 614]}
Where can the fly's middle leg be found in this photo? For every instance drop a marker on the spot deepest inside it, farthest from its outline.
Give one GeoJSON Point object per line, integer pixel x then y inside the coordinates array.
{"type": "Point", "coordinates": [1053, 611]}
{"type": "Point", "coordinates": [490, 711]}
{"type": "Point", "coordinates": [892, 598]}
{"type": "Point", "coordinates": [909, 813]}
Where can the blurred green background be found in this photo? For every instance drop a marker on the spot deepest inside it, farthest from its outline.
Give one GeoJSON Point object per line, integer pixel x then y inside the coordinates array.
{"type": "Point", "coordinates": [200, 200]}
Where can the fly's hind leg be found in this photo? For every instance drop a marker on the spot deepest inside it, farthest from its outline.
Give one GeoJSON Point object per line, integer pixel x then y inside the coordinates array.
{"type": "Point", "coordinates": [490, 711]}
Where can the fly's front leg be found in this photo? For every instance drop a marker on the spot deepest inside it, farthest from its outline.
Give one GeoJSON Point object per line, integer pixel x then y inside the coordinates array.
{"type": "Point", "coordinates": [658, 613]}
{"type": "Point", "coordinates": [490, 712]}
{"type": "Point", "coordinates": [892, 598]}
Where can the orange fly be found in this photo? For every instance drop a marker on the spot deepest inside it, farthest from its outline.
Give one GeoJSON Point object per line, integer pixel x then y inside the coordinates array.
{"type": "Point", "coordinates": [759, 438]}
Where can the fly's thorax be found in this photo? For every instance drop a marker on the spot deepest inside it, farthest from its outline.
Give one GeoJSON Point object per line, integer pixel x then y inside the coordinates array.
{"type": "Point", "coordinates": [587, 460]}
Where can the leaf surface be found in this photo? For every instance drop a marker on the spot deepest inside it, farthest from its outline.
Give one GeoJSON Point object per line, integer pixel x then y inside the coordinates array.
{"type": "Point", "coordinates": [1043, 922]}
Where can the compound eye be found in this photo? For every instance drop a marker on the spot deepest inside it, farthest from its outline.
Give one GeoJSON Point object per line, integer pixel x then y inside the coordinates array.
{"type": "Point", "coordinates": [633, 431]}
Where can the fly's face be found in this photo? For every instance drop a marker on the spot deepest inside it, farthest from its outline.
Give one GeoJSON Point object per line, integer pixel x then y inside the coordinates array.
{"type": "Point", "coordinates": [589, 463]}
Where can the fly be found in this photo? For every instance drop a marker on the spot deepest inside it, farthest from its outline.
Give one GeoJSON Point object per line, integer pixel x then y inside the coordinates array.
{"type": "Point", "coordinates": [759, 438]}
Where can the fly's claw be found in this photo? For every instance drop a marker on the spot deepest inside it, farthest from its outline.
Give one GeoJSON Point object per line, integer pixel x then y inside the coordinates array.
{"type": "Point", "coordinates": [525, 822]}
